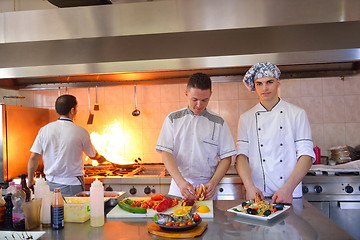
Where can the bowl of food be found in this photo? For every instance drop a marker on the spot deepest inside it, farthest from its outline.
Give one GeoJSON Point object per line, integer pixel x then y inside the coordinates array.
{"type": "Point", "coordinates": [177, 222]}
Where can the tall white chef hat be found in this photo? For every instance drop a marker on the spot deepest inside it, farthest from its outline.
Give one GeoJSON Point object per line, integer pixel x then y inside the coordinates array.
{"type": "Point", "coordinates": [260, 70]}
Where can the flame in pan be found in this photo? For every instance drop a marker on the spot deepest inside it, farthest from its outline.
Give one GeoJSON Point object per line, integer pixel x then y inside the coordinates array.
{"type": "Point", "coordinates": [111, 143]}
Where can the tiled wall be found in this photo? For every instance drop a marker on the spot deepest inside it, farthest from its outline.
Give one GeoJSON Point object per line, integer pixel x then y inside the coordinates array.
{"type": "Point", "coordinates": [332, 105]}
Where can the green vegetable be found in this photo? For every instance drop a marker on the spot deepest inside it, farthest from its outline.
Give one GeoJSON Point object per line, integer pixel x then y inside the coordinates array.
{"type": "Point", "coordinates": [128, 201]}
{"type": "Point", "coordinates": [155, 218]}
{"type": "Point", "coordinates": [131, 209]}
{"type": "Point", "coordinates": [236, 210]}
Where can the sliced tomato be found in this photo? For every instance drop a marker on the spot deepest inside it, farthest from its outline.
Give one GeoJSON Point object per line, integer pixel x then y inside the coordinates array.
{"type": "Point", "coordinates": [175, 202]}
{"type": "Point", "coordinates": [144, 205]}
{"type": "Point", "coordinates": [157, 197]}
{"type": "Point", "coordinates": [162, 206]}
{"type": "Point", "coordinates": [150, 203]}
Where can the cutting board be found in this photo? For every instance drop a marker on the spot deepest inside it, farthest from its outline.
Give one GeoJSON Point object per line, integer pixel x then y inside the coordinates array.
{"type": "Point", "coordinates": [195, 232]}
{"type": "Point", "coordinates": [118, 212]}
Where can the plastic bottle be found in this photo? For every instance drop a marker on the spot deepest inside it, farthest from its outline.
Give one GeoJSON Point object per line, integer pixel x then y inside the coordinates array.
{"type": "Point", "coordinates": [317, 152]}
{"type": "Point", "coordinates": [11, 189]}
{"type": "Point", "coordinates": [97, 204]}
{"type": "Point", "coordinates": [18, 216]}
{"type": "Point", "coordinates": [25, 187]}
{"type": "Point", "coordinates": [57, 210]}
{"type": "Point", "coordinates": [46, 209]}
{"type": "Point", "coordinates": [42, 190]}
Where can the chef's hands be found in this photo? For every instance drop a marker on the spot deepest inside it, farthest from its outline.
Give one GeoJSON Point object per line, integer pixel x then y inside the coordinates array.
{"type": "Point", "coordinates": [210, 190]}
{"type": "Point", "coordinates": [282, 195]}
{"type": "Point", "coordinates": [187, 190]}
{"type": "Point", "coordinates": [101, 159]}
{"type": "Point", "coordinates": [251, 193]}
{"type": "Point", "coordinates": [30, 182]}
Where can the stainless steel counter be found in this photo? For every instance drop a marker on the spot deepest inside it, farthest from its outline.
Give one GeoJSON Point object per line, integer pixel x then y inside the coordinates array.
{"type": "Point", "coordinates": [302, 221]}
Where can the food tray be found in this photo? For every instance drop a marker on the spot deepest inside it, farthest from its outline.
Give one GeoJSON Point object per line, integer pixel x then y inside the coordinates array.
{"type": "Point", "coordinates": [263, 218]}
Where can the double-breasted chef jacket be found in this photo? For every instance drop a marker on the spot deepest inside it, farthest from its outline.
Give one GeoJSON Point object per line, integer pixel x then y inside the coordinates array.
{"type": "Point", "coordinates": [273, 141]}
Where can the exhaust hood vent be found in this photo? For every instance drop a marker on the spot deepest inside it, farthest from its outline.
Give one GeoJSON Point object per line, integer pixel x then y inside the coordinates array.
{"type": "Point", "coordinates": [166, 41]}
{"type": "Point", "coordinates": [78, 3]}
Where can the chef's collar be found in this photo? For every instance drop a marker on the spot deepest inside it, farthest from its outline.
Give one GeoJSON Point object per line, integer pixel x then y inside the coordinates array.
{"type": "Point", "coordinates": [278, 103]}
{"type": "Point", "coordinates": [192, 113]}
{"type": "Point", "coordinates": [65, 119]}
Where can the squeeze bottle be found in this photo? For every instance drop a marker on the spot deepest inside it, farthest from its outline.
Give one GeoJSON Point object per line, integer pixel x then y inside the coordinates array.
{"type": "Point", "coordinates": [97, 204]}
{"type": "Point", "coordinates": [317, 152]}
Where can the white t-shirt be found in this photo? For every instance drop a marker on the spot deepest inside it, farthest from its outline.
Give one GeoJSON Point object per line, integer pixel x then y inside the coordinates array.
{"type": "Point", "coordinates": [273, 141]}
{"type": "Point", "coordinates": [196, 142]}
{"type": "Point", "coordinates": [62, 144]}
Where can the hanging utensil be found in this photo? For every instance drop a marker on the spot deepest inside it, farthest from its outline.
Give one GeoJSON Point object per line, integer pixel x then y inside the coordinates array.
{"type": "Point", "coordinates": [96, 105]}
{"type": "Point", "coordinates": [91, 116]}
{"type": "Point", "coordinates": [136, 112]}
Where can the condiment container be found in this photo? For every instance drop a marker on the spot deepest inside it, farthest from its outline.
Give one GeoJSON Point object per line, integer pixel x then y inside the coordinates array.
{"type": "Point", "coordinates": [57, 210]}
{"type": "Point", "coordinates": [317, 152]}
{"type": "Point", "coordinates": [97, 215]}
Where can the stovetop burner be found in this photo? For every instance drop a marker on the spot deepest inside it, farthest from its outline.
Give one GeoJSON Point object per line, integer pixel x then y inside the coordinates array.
{"type": "Point", "coordinates": [91, 171]}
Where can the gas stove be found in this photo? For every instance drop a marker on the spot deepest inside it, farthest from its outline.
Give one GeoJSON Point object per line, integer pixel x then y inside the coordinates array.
{"type": "Point", "coordinates": [137, 180]}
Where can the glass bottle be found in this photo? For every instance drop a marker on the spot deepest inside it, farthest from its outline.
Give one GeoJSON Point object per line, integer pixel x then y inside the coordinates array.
{"type": "Point", "coordinates": [57, 210]}
{"type": "Point", "coordinates": [25, 187]}
{"type": "Point", "coordinates": [18, 216]}
{"type": "Point", "coordinates": [8, 223]}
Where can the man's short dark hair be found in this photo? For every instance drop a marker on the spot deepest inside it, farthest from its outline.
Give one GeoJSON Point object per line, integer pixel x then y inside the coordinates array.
{"type": "Point", "coordinates": [199, 80]}
{"type": "Point", "coordinates": [64, 104]}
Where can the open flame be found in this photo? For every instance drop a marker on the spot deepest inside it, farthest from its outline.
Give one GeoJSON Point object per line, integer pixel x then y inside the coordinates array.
{"type": "Point", "coordinates": [111, 143]}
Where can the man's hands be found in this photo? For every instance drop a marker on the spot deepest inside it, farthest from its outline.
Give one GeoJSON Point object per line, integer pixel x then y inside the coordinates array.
{"type": "Point", "coordinates": [282, 195]}
{"type": "Point", "coordinates": [251, 192]}
{"type": "Point", "coordinates": [101, 159]}
{"type": "Point", "coordinates": [210, 190]}
{"type": "Point", "coordinates": [187, 190]}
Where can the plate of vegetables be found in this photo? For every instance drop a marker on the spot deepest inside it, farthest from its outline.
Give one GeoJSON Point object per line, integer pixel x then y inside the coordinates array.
{"type": "Point", "coordinates": [262, 210]}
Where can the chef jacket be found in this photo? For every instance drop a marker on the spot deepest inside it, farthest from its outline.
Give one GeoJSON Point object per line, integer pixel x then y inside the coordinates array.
{"type": "Point", "coordinates": [62, 144]}
{"type": "Point", "coordinates": [196, 142]}
{"type": "Point", "coordinates": [273, 141]}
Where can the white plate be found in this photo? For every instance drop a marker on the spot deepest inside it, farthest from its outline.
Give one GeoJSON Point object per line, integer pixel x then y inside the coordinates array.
{"type": "Point", "coordinates": [265, 218]}
{"type": "Point", "coordinates": [14, 235]}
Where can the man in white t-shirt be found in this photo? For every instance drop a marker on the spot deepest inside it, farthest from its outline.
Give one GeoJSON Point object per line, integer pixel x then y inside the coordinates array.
{"type": "Point", "coordinates": [196, 144]}
{"type": "Point", "coordinates": [61, 145]}
{"type": "Point", "coordinates": [275, 148]}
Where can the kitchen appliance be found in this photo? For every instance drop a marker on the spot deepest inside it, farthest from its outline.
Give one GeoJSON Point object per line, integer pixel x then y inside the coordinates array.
{"type": "Point", "coordinates": [19, 127]}
{"type": "Point", "coordinates": [337, 194]}
{"type": "Point", "coordinates": [140, 180]}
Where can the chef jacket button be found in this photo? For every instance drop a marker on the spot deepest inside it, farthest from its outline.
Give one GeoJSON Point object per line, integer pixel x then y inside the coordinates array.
{"type": "Point", "coordinates": [263, 160]}
{"type": "Point", "coordinates": [258, 113]}
{"type": "Point", "coordinates": [261, 145]}
{"type": "Point", "coordinates": [281, 144]}
{"type": "Point", "coordinates": [281, 111]}
{"type": "Point", "coordinates": [280, 127]}
{"type": "Point", "coordinates": [259, 129]}
{"type": "Point", "coordinates": [280, 177]}
{"type": "Point", "coordinates": [280, 160]}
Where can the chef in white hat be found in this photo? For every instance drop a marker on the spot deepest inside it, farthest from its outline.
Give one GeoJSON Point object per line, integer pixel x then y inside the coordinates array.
{"type": "Point", "coordinates": [274, 144]}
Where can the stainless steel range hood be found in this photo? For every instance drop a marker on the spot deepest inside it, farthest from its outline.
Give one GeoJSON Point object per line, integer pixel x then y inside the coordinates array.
{"type": "Point", "coordinates": [167, 40]}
